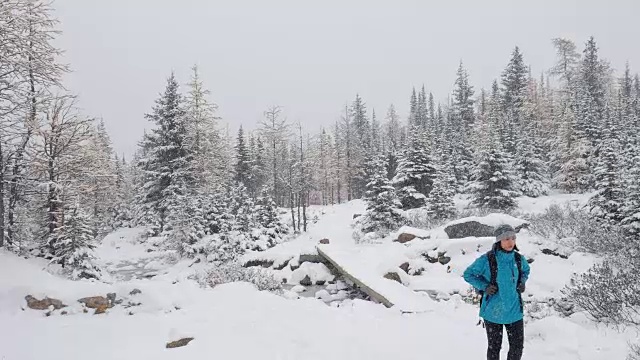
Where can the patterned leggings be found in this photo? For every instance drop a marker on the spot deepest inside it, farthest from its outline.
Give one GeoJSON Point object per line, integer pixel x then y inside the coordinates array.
{"type": "Point", "coordinates": [515, 334]}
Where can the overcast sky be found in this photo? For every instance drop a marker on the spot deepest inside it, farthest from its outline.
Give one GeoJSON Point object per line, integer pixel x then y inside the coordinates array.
{"type": "Point", "coordinates": [311, 57]}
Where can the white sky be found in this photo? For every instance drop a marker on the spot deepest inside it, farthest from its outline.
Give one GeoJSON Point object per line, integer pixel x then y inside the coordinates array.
{"type": "Point", "coordinates": [312, 57]}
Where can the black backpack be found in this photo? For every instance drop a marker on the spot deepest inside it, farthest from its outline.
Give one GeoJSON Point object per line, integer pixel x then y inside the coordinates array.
{"type": "Point", "coordinates": [493, 269]}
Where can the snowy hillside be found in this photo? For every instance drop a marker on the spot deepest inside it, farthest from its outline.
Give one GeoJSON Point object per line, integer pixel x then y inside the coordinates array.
{"type": "Point", "coordinates": [236, 321]}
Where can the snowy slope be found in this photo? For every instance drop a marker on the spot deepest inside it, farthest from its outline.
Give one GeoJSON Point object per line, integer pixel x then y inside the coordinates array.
{"type": "Point", "coordinates": [235, 321]}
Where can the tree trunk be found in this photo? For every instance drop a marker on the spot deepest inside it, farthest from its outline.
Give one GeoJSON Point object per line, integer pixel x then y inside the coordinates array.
{"type": "Point", "coordinates": [304, 213]}
{"type": "Point", "coordinates": [14, 191]}
{"type": "Point", "coordinates": [299, 201]}
{"type": "Point", "coordinates": [293, 215]}
{"type": "Point", "coordinates": [1, 195]}
{"type": "Point", "coordinates": [51, 201]}
{"type": "Point", "coordinates": [275, 175]}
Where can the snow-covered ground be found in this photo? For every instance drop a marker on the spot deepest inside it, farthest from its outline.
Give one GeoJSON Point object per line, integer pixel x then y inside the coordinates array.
{"type": "Point", "coordinates": [235, 321]}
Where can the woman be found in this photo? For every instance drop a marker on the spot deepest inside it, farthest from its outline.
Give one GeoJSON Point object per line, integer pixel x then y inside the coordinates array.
{"type": "Point", "coordinates": [501, 304]}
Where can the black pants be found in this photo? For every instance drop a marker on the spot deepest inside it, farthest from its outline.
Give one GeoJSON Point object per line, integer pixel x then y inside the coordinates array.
{"type": "Point", "coordinates": [515, 334]}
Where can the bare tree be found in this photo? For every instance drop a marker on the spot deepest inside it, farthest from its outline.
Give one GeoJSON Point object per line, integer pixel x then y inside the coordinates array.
{"type": "Point", "coordinates": [275, 131]}
{"type": "Point", "coordinates": [28, 70]}
{"type": "Point", "coordinates": [61, 138]}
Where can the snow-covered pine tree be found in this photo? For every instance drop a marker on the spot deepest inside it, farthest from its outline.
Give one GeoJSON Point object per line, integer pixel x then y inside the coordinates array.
{"type": "Point", "coordinates": [422, 110]}
{"type": "Point", "coordinates": [347, 141]}
{"type": "Point", "coordinates": [413, 120]}
{"type": "Point", "coordinates": [626, 119]}
{"type": "Point", "coordinates": [362, 145]}
{"type": "Point", "coordinates": [591, 94]}
{"type": "Point", "coordinates": [382, 213]}
{"type": "Point", "coordinates": [324, 170]}
{"type": "Point", "coordinates": [607, 202]}
{"type": "Point", "coordinates": [631, 206]}
{"type": "Point", "coordinates": [73, 245]}
{"type": "Point", "coordinates": [242, 166]}
{"type": "Point", "coordinates": [376, 140]}
{"type": "Point", "coordinates": [493, 184]}
{"type": "Point", "coordinates": [514, 88]}
{"type": "Point", "coordinates": [100, 178]}
{"type": "Point", "coordinates": [257, 166]}
{"type": "Point", "coordinates": [266, 216]}
{"type": "Point", "coordinates": [440, 203]}
{"type": "Point", "coordinates": [392, 142]}
{"type": "Point", "coordinates": [242, 208]}
{"type": "Point", "coordinates": [529, 166]}
{"type": "Point", "coordinates": [415, 173]}
{"type": "Point", "coordinates": [462, 119]}
{"type": "Point", "coordinates": [168, 175]}
{"type": "Point", "coordinates": [188, 225]}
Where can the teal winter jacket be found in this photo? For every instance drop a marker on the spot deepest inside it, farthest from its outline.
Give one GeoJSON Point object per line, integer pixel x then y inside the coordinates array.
{"type": "Point", "coordinates": [504, 307]}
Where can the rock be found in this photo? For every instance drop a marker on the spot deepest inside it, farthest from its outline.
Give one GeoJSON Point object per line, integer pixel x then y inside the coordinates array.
{"type": "Point", "coordinates": [101, 310]}
{"type": "Point", "coordinates": [306, 281]}
{"type": "Point", "coordinates": [355, 216]}
{"type": "Point", "coordinates": [131, 304]}
{"type": "Point", "coordinates": [324, 241]}
{"type": "Point", "coordinates": [149, 250]}
{"type": "Point", "coordinates": [554, 253]}
{"type": "Point", "coordinates": [43, 304]}
{"type": "Point", "coordinates": [63, 313]}
{"type": "Point", "coordinates": [430, 259]}
{"type": "Point", "coordinates": [258, 262]}
{"type": "Point", "coordinates": [294, 266]}
{"type": "Point", "coordinates": [404, 237]}
{"type": "Point", "coordinates": [135, 292]}
{"type": "Point", "coordinates": [179, 343]}
{"type": "Point", "coordinates": [444, 260]}
{"type": "Point", "coordinates": [466, 229]}
{"type": "Point", "coordinates": [530, 260]}
{"type": "Point", "coordinates": [94, 302]}
{"type": "Point", "coordinates": [320, 282]}
{"type": "Point", "coordinates": [312, 258]}
{"type": "Point", "coordinates": [111, 297]}
{"type": "Point", "coordinates": [482, 226]}
{"type": "Point", "coordinates": [405, 267]}
{"type": "Point", "coordinates": [393, 276]}
{"type": "Point", "coordinates": [85, 311]}
{"type": "Point", "coordinates": [282, 265]}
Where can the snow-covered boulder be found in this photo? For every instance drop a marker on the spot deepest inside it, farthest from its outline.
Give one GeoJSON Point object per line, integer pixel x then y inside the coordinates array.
{"type": "Point", "coordinates": [408, 233]}
{"type": "Point", "coordinates": [311, 273]}
{"type": "Point", "coordinates": [475, 226]}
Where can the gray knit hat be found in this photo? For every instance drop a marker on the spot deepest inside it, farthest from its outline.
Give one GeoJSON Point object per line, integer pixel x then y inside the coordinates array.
{"type": "Point", "coordinates": [504, 231]}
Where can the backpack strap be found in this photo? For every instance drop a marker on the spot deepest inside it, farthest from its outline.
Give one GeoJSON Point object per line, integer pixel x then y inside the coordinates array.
{"type": "Point", "coordinates": [493, 270]}
{"type": "Point", "coordinates": [493, 267]}
{"type": "Point", "coordinates": [519, 263]}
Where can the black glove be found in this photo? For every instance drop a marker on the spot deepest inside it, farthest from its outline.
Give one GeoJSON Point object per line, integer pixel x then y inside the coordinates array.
{"type": "Point", "coordinates": [521, 287]}
{"type": "Point", "coordinates": [491, 289]}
